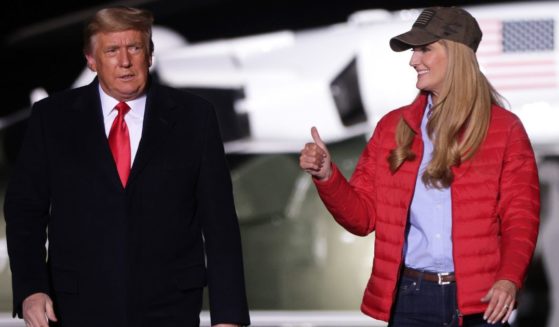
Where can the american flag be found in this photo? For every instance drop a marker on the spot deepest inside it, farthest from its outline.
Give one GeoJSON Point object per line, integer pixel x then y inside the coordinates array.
{"type": "Point", "coordinates": [519, 54]}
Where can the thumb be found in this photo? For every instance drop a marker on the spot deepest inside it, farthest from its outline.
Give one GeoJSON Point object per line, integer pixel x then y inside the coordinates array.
{"type": "Point", "coordinates": [316, 138]}
{"type": "Point", "coordinates": [50, 311]}
{"type": "Point", "coordinates": [487, 296]}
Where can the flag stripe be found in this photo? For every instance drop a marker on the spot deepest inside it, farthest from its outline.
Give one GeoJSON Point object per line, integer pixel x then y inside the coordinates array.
{"type": "Point", "coordinates": [519, 54]}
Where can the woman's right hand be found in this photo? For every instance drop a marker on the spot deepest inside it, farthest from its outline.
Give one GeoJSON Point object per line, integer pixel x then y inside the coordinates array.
{"type": "Point", "coordinates": [315, 158]}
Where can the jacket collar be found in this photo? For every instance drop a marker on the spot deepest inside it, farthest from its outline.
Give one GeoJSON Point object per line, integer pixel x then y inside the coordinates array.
{"type": "Point", "coordinates": [413, 113]}
{"type": "Point", "coordinates": [159, 121]}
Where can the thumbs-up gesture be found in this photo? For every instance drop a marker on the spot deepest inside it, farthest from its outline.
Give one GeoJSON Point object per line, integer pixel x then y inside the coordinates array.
{"type": "Point", "coordinates": [315, 158]}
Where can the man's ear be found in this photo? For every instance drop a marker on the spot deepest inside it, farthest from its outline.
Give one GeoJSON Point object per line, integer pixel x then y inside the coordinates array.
{"type": "Point", "coordinates": [91, 64]}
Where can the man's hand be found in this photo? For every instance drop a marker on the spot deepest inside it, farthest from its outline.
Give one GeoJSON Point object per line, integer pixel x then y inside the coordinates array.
{"type": "Point", "coordinates": [315, 158]}
{"type": "Point", "coordinates": [37, 310]}
{"type": "Point", "coordinates": [501, 298]}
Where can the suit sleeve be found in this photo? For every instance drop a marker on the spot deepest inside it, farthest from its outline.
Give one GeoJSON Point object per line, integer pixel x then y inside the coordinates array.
{"type": "Point", "coordinates": [26, 210]}
{"type": "Point", "coordinates": [216, 210]}
{"type": "Point", "coordinates": [519, 206]}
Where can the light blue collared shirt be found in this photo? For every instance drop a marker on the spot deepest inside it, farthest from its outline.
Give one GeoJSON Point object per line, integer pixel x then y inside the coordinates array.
{"type": "Point", "coordinates": [429, 244]}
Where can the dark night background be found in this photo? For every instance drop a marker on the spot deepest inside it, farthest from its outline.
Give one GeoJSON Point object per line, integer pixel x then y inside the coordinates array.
{"type": "Point", "coordinates": [41, 44]}
{"type": "Point", "coordinates": [41, 40]}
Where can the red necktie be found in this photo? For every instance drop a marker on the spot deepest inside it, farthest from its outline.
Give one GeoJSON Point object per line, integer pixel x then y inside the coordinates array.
{"type": "Point", "coordinates": [119, 141]}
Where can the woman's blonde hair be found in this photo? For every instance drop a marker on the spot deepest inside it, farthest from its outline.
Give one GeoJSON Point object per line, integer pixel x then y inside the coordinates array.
{"type": "Point", "coordinates": [459, 120]}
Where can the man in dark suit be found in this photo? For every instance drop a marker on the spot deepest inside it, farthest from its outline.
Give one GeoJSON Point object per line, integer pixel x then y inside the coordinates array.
{"type": "Point", "coordinates": [127, 180]}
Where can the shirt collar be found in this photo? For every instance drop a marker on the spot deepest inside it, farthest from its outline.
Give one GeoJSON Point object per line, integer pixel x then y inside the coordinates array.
{"type": "Point", "coordinates": [413, 113]}
{"type": "Point", "coordinates": [429, 105]}
{"type": "Point", "coordinates": [429, 101]}
{"type": "Point", "coordinates": [108, 103]}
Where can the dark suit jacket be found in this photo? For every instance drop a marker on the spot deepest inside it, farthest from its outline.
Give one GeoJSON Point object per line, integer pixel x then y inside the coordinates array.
{"type": "Point", "coordinates": [137, 256]}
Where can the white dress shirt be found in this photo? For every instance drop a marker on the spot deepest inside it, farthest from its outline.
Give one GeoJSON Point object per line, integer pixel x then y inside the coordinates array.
{"type": "Point", "coordinates": [134, 118]}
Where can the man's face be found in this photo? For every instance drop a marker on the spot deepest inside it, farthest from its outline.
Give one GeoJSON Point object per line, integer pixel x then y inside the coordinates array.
{"type": "Point", "coordinates": [122, 61]}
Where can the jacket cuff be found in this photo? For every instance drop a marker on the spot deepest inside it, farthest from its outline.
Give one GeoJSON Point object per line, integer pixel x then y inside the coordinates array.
{"type": "Point", "coordinates": [331, 185]}
{"type": "Point", "coordinates": [18, 300]}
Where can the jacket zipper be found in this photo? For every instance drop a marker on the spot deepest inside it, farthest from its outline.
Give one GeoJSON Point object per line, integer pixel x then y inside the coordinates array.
{"type": "Point", "coordinates": [460, 315]}
{"type": "Point", "coordinates": [419, 157]}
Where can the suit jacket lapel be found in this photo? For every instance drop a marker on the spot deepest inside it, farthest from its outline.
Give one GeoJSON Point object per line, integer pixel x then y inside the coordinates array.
{"type": "Point", "coordinates": [159, 121]}
{"type": "Point", "coordinates": [90, 128]}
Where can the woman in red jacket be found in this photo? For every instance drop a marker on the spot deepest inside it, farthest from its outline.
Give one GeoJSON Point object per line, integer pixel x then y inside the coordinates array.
{"type": "Point", "coordinates": [448, 183]}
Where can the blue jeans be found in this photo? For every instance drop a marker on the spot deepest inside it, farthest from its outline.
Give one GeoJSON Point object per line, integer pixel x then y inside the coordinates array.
{"type": "Point", "coordinates": [421, 303]}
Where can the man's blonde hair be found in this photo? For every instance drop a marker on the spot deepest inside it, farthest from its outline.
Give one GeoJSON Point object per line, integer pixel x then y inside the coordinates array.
{"type": "Point", "coordinates": [118, 19]}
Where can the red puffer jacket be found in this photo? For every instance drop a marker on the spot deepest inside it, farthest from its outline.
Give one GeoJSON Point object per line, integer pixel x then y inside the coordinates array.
{"type": "Point", "coordinates": [495, 208]}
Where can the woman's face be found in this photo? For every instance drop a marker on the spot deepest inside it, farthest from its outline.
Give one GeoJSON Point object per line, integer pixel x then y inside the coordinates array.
{"type": "Point", "coordinates": [430, 62]}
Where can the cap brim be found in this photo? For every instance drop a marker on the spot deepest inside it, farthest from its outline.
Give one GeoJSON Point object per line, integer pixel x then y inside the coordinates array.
{"type": "Point", "coordinates": [413, 38]}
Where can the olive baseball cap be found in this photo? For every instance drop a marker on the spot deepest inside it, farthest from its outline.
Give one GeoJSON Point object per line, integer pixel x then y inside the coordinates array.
{"type": "Point", "coordinates": [435, 23]}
